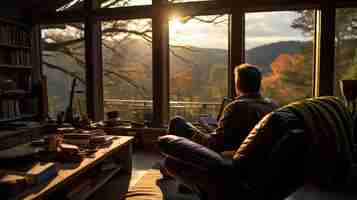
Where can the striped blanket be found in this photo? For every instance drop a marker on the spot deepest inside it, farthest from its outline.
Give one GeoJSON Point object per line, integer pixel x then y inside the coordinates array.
{"type": "Point", "coordinates": [329, 134]}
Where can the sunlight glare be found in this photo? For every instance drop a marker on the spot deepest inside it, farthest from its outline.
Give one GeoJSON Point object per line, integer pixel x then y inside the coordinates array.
{"type": "Point", "coordinates": [176, 25]}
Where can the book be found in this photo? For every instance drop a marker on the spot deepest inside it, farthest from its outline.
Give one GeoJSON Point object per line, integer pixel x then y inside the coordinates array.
{"type": "Point", "coordinates": [11, 184]}
{"type": "Point", "coordinates": [35, 173]}
{"type": "Point", "coordinates": [42, 172]}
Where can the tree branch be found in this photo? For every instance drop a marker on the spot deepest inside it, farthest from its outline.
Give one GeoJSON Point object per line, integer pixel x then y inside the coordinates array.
{"type": "Point", "coordinates": [61, 69]}
{"type": "Point", "coordinates": [142, 90]}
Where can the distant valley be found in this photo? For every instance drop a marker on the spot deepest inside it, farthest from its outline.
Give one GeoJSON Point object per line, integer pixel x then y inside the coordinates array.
{"type": "Point", "coordinates": [135, 56]}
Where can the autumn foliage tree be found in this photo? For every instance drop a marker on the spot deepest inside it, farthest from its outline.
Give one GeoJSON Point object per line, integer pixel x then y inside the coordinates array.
{"type": "Point", "coordinates": [289, 80]}
{"type": "Point", "coordinates": [345, 39]}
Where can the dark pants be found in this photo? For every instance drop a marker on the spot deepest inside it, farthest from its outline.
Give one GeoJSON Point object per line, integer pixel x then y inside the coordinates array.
{"type": "Point", "coordinates": [268, 172]}
{"type": "Point", "coordinates": [181, 127]}
{"type": "Point", "coordinates": [209, 185]}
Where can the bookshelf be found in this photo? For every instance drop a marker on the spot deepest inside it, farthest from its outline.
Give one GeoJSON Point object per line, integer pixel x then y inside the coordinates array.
{"type": "Point", "coordinates": [15, 71]}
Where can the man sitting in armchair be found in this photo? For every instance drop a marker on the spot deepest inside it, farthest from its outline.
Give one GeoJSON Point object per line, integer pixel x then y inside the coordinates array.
{"type": "Point", "coordinates": [238, 117]}
{"type": "Point", "coordinates": [307, 142]}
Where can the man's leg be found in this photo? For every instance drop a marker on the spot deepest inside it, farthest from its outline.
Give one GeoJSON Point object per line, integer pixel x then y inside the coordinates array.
{"type": "Point", "coordinates": [181, 127]}
{"type": "Point", "coordinates": [201, 169]}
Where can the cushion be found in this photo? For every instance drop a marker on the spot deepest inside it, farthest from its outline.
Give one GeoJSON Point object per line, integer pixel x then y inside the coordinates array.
{"type": "Point", "coordinates": [182, 149]}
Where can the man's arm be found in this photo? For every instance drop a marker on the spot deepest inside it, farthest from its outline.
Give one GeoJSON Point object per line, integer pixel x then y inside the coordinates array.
{"type": "Point", "coordinates": [225, 136]}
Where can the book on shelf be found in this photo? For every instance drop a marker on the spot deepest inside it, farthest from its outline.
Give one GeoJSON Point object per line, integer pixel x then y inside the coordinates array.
{"type": "Point", "coordinates": [19, 57]}
{"type": "Point", "coordinates": [13, 35]}
{"type": "Point", "coordinates": [10, 108]}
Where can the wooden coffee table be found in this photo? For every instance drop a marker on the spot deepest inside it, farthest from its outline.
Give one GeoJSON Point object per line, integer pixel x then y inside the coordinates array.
{"type": "Point", "coordinates": [70, 177]}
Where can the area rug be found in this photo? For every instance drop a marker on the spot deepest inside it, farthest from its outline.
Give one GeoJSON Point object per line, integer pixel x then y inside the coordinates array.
{"type": "Point", "coordinates": [153, 187]}
{"type": "Point", "coordinates": [146, 188]}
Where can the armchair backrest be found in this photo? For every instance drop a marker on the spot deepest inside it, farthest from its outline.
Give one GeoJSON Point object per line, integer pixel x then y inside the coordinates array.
{"type": "Point", "coordinates": [306, 141]}
{"type": "Point", "coordinates": [328, 128]}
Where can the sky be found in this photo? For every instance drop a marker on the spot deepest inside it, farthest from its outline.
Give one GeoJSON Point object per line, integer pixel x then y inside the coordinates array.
{"type": "Point", "coordinates": [261, 28]}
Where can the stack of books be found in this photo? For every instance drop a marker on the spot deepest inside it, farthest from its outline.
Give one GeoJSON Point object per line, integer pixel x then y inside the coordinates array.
{"type": "Point", "coordinates": [92, 138]}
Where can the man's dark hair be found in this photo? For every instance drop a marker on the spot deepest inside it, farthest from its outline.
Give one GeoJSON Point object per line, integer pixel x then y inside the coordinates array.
{"type": "Point", "coordinates": [249, 78]}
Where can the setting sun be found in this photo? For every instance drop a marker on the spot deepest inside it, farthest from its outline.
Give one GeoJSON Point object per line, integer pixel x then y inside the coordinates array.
{"type": "Point", "coordinates": [176, 25]}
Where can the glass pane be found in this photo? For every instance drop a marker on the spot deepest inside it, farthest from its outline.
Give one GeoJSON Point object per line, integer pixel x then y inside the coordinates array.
{"type": "Point", "coordinates": [276, 42]}
{"type": "Point", "coordinates": [198, 65]}
{"type": "Point", "coordinates": [63, 61]}
{"type": "Point", "coordinates": [124, 3]}
{"type": "Point", "coordinates": [127, 62]}
{"type": "Point", "coordinates": [345, 46]}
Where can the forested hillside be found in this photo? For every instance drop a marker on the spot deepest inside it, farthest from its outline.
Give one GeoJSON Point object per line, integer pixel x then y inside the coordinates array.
{"type": "Point", "coordinates": [205, 68]}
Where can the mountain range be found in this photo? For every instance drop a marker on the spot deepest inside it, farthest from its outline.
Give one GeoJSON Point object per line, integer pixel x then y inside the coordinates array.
{"type": "Point", "coordinates": [136, 55]}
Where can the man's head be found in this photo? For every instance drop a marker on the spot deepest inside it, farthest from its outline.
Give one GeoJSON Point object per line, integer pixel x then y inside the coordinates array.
{"type": "Point", "coordinates": [247, 78]}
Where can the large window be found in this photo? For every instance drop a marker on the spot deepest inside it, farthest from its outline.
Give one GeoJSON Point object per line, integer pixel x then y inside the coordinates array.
{"type": "Point", "coordinates": [63, 61]}
{"type": "Point", "coordinates": [127, 68]}
{"type": "Point", "coordinates": [281, 44]}
{"type": "Point", "coordinates": [198, 65]}
{"type": "Point", "coordinates": [345, 46]}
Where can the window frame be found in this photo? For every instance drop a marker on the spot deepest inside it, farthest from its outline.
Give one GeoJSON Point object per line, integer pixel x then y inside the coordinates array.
{"type": "Point", "coordinates": [159, 11]}
{"type": "Point", "coordinates": [315, 90]}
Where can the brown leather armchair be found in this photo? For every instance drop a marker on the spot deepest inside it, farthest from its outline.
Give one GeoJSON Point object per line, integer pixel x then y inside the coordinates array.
{"type": "Point", "coordinates": [308, 143]}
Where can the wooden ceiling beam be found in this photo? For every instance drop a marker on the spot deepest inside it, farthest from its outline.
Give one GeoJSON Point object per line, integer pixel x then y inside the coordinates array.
{"type": "Point", "coordinates": [134, 12]}
{"type": "Point", "coordinates": [184, 9]}
{"type": "Point", "coordinates": [60, 17]}
{"type": "Point", "coordinates": [199, 8]}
